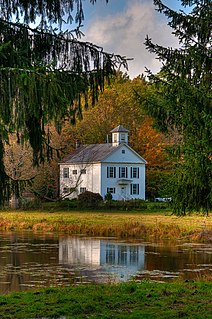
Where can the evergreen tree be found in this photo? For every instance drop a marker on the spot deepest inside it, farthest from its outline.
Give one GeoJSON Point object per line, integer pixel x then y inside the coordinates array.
{"type": "Point", "coordinates": [43, 71]}
{"type": "Point", "coordinates": [183, 102]}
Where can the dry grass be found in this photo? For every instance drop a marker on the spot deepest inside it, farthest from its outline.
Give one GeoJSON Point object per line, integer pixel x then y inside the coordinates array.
{"type": "Point", "coordinates": [121, 224]}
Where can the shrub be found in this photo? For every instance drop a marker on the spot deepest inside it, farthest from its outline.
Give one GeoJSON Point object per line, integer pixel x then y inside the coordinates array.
{"type": "Point", "coordinates": [132, 204]}
{"type": "Point", "coordinates": [108, 197]}
{"type": "Point", "coordinates": [89, 199]}
{"type": "Point", "coordinates": [35, 203]}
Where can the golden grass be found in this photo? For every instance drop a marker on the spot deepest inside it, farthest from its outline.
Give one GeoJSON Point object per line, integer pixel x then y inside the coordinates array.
{"type": "Point", "coordinates": [120, 224]}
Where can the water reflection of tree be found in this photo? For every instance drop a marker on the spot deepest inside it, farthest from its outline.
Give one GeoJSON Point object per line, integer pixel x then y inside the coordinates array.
{"type": "Point", "coordinates": [14, 278]}
{"type": "Point", "coordinates": [20, 258]}
{"type": "Point", "coordinates": [174, 258]}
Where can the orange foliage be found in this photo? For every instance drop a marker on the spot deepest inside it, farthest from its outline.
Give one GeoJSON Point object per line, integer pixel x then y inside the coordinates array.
{"type": "Point", "coordinates": [151, 144]}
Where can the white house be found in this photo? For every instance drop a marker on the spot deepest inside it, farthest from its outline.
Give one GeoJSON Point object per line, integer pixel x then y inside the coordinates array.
{"type": "Point", "coordinates": [104, 168]}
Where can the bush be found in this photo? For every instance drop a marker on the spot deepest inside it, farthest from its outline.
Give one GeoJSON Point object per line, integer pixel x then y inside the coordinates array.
{"type": "Point", "coordinates": [26, 204]}
{"type": "Point", "coordinates": [132, 204]}
{"type": "Point", "coordinates": [89, 199]}
{"type": "Point", "coordinates": [108, 197]}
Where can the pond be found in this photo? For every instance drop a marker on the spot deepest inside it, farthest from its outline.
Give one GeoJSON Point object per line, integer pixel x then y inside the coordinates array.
{"type": "Point", "coordinates": [29, 261]}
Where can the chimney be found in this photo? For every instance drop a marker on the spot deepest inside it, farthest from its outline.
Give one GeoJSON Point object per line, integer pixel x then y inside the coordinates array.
{"type": "Point", "coordinates": [77, 144]}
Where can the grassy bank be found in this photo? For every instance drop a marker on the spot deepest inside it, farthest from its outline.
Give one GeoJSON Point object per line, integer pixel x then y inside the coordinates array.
{"type": "Point", "coordinates": [131, 300]}
{"type": "Point", "coordinates": [120, 224]}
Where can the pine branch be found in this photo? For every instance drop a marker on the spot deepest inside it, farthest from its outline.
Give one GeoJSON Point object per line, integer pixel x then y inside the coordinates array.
{"type": "Point", "coordinates": [62, 49]}
{"type": "Point", "coordinates": [51, 11]}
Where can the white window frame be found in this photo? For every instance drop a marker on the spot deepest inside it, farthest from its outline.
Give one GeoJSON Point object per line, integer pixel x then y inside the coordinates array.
{"type": "Point", "coordinates": [111, 172]}
{"type": "Point", "coordinates": [66, 190]}
{"type": "Point", "coordinates": [65, 172]}
{"type": "Point", "coordinates": [123, 137]}
{"type": "Point", "coordinates": [82, 190]}
{"type": "Point", "coordinates": [111, 190]}
{"type": "Point", "coordinates": [74, 171]}
{"type": "Point", "coordinates": [134, 172]}
{"type": "Point", "coordinates": [123, 172]}
{"type": "Point", "coordinates": [134, 189]}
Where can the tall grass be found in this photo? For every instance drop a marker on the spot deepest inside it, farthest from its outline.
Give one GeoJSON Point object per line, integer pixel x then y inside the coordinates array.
{"type": "Point", "coordinates": [119, 224]}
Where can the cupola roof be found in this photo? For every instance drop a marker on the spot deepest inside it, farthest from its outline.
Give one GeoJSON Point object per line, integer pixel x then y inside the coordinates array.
{"type": "Point", "coordinates": [119, 128]}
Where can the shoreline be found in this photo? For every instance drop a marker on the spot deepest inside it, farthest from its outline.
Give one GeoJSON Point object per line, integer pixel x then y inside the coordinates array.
{"type": "Point", "coordinates": [130, 225]}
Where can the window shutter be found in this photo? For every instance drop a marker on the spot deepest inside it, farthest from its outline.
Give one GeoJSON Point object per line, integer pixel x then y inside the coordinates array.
{"type": "Point", "coordinates": [114, 172]}
{"type": "Point", "coordinates": [107, 172]}
{"type": "Point", "coordinates": [119, 172]}
{"type": "Point", "coordinates": [130, 189]}
{"type": "Point", "coordinates": [138, 172]}
{"type": "Point", "coordinates": [126, 172]}
{"type": "Point", "coordinates": [131, 175]}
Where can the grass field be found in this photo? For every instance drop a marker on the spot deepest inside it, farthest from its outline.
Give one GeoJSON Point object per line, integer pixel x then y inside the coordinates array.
{"type": "Point", "coordinates": [131, 301]}
{"type": "Point", "coordinates": [120, 224]}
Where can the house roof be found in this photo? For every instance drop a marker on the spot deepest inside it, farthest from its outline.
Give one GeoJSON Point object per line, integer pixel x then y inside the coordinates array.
{"type": "Point", "coordinates": [90, 153]}
{"type": "Point", "coordinates": [119, 128]}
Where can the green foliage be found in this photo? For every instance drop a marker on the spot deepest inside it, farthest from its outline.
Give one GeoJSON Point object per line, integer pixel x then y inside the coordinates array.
{"type": "Point", "coordinates": [158, 183]}
{"type": "Point", "coordinates": [108, 197]}
{"type": "Point", "coordinates": [45, 74]}
{"type": "Point", "coordinates": [182, 106]}
{"type": "Point", "coordinates": [128, 205]}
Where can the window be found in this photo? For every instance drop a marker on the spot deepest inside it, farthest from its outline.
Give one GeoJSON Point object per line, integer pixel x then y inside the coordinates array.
{"type": "Point", "coordinates": [111, 190]}
{"type": "Point", "coordinates": [82, 189]}
{"type": "Point", "coordinates": [122, 137]}
{"type": "Point", "coordinates": [66, 172]}
{"type": "Point", "coordinates": [83, 171]}
{"type": "Point", "coordinates": [110, 254]}
{"type": "Point", "coordinates": [123, 151]}
{"type": "Point", "coordinates": [74, 172]}
{"type": "Point", "coordinates": [134, 172]}
{"type": "Point", "coordinates": [134, 253]}
{"type": "Point", "coordinates": [134, 189]}
{"type": "Point", "coordinates": [115, 138]}
{"type": "Point", "coordinates": [122, 172]}
{"type": "Point", "coordinates": [111, 172]}
{"type": "Point", "coordinates": [122, 255]}
{"type": "Point", "coordinates": [66, 190]}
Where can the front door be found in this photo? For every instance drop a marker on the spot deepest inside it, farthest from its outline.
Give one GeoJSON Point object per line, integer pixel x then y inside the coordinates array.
{"type": "Point", "coordinates": [123, 192]}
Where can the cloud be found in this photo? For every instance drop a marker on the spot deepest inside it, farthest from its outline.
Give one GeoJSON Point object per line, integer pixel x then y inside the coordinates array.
{"type": "Point", "coordinates": [124, 33]}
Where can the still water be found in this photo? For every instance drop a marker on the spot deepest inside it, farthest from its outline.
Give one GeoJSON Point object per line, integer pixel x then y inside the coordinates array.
{"type": "Point", "coordinates": [28, 261]}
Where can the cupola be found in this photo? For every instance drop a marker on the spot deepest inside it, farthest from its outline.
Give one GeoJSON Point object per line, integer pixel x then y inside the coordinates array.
{"type": "Point", "coordinates": [119, 135]}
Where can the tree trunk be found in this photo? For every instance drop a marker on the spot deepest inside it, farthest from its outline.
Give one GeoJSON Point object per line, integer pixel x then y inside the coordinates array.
{"type": "Point", "coordinates": [14, 202]}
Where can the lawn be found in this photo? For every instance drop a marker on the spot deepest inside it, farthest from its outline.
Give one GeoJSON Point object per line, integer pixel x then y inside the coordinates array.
{"type": "Point", "coordinates": [130, 300]}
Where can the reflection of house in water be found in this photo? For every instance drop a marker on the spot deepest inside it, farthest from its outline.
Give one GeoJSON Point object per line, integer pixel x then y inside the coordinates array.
{"type": "Point", "coordinates": [76, 251]}
{"type": "Point", "coordinates": [110, 257]}
{"type": "Point", "coordinates": [120, 258]}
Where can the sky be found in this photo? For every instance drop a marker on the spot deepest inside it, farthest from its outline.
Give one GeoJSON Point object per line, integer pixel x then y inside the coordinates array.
{"type": "Point", "coordinates": [120, 27]}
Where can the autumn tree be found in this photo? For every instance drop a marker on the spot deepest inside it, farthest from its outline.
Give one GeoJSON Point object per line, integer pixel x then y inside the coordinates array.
{"type": "Point", "coordinates": [43, 71]}
{"type": "Point", "coordinates": [18, 161]}
{"type": "Point", "coordinates": [182, 103]}
{"type": "Point", "coordinates": [118, 104]}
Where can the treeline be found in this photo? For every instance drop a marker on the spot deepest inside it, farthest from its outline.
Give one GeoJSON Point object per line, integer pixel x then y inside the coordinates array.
{"type": "Point", "coordinates": [118, 104]}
